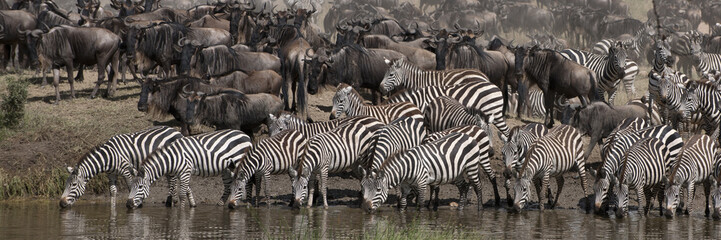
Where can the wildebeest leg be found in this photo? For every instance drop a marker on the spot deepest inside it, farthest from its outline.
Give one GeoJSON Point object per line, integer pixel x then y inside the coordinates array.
{"type": "Point", "coordinates": [302, 101]}
{"type": "Point", "coordinates": [69, 67]}
{"type": "Point", "coordinates": [113, 75]}
{"type": "Point", "coordinates": [101, 77]}
{"type": "Point", "coordinates": [595, 138]}
{"type": "Point", "coordinates": [548, 101]}
{"type": "Point", "coordinates": [522, 95]}
{"type": "Point", "coordinates": [80, 77]}
{"type": "Point", "coordinates": [56, 82]}
{"type": "Point", "coordinates": [5, 57]}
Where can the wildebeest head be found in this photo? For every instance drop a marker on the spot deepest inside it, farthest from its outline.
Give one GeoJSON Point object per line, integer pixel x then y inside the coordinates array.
{"type": "Point", "coordinates": [192, 99]}
{"type": "Point", "coordinates": [33, 38]}
{"type": "Point", "coordinates": [318, 65]}
{"type": "Point", "coordinates": [149, 86]}
{"type": "Point", "coordinates": [187, 48]}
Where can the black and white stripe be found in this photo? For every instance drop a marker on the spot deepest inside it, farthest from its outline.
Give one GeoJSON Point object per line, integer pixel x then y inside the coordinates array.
{"type": "Point", "coordinates": [694, 166]}
{"type": "Point", "coordinates": [271, 156]}
{"type": "Point", "coordinates": [346, 147]}
{"type": "Point", "coordinates": [347, 100]}
{"type": "Point", "coordinates": [452, 159]}
{"type": "Point", "coordinates": [704, 98]}
{"type": "Point", "coordinates": [482, 96]}
{"type": "Point", "coordinates": [443, 113]}
{"type": "Point", "coordinates": [288, 121]}
{"type": "Point", "coordinates": [550, 156]}
{"type": "Point", "coordinates": [609, 68]}
{"type": "Point", "coordinates": [205, 155]}
{"type": "Point", "coordinates": [115, 157]}
{"type": "Point", "coordinates": [643, 168]}
{"type": "Point", "coordinates": [406, 75]}
{"type": "Point", "coordinates": [631, 70]}
{"type": "Point", "coordinates": [401, 134]}
{"type": "Point", "coordinates": [706, 62]}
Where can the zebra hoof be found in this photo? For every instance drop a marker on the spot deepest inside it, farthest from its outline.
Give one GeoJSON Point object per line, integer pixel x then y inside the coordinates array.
{"type": "Point", "coordinates": [169, 201]}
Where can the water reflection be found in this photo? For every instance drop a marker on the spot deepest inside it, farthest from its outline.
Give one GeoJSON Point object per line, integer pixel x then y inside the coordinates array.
{"type": "Point", "coordinates": [102, 220]}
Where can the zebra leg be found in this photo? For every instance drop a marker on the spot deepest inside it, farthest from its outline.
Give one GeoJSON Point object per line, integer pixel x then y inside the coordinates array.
{"type": "Point", "coordinates": [707, 192]}
{"type": "Point", "coordinates": [494, 183]}
{"type": "Point", "coordinates": [612, 97]}
{"type": "Point", "coordinates": [507, 185]}
{"type": "Point", "coordinates": [559, 182]}
{"type": "Point", "coordinates": [311, 190]}
{"type": "Point", "coordinates": [171, 190]}
{"type": "Point", "coordinates": [324, 187]}
{"type": "Point", "coordinates": [463, 192]}
{"type": "Point", "coordinates": [113, 180]}
{"type": "Point", "coordinates": [539, 192]}
{"type": "Point", "coordinates": [266, 179]}
{"type": "Point", "coordinates": [640, 195]}
{"type": "Point", "coordinates": [185, 189]}
{"type": "Point", "coordinates": [421, 191]}
{"type": "Point", "coordinates": [227, 181]}
{"type": "Point", "coordinates": [479, 193]}
{"type": "Point", "coordinates": [249, 189]}
{"type": "Point", "coordinates": [545, 181]}
{"type": "Point", "coordinates": [689, 198]}
{"type": "Point", "coordinates": [258, 182]}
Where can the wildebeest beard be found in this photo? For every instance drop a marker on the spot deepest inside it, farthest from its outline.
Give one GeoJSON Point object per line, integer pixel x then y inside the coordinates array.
{"type": "Point", "coordinates": [157, 41]}
{"type": "Point", "coordinates": [218, 60]}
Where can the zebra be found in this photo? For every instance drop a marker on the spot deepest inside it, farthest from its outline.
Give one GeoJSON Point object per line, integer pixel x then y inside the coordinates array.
{"type": "Point", "coordinates": [485, 151]}
{"type": "Point", "coordinates": [716, 193]}
{"type": "Point", "coordinates": [401, 134]}
{"type": "Point", "coordinates": [343, 148]}
{"type": "Point", "coordinates": [682, 45]}
{"type": "Point", "coordinates": [660, 73]}
{"type": "Point", "coordinates": [619, 144]}
{"type": "Point", "coordinates": [274, 155]}
{"type": "Point", "coordinates": [694, 166]}
{"type": "Point", "coordinates": [514, 150]}
{"type": "Point", "coordinates": [706, 62]}
{"type": "Point", "coordinates": [482, 96]}
{"type": "Point", "coordinates": [703, 98]}
{"type": "Point", "coordinates": [114, 157]}
{"type": "Point", "coordinates": [603, 180]}
{"type": "Point", "coordinates": [405, 74]}
{"type": "Point", "coordinates": [450, 159]}
{"type": "Point", "coordinates": [444, 112]}
{"type": "Point", "coordinates": [643, 168]}
{"type": "Point", "coordinates": [208, 154]}
{"type": "Point", "coordinates": [550, 156]}
{"type": "Point", "coordinates": [347, 100]}
{"type": "Point", "coordinates": [631, 70]}
{"type": "Point", "coordinates": [288, 121]}
{"type": "Point", "coordinates": [672, 95]}
{"type": "Point", "coordinates": [609, 69]}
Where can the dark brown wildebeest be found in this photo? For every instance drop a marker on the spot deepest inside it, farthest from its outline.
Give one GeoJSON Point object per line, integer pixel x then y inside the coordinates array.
{"type": "Point", "coordinates": [210, 21]}
{"type": "Point", "coordinates": [231, 109]}
{"type": "Point", "coordinates": [162, 14]}
{"type": "Point", "coordinates": [11, 21]}
{"type": "Point", "coordinates": [67, 46]}
{"type": "Point", "coordinates": [264, 81]}
{"type": "Point", "coordinates": [219, 60]}
{"type": "Point", "coordinates": [292, 51]}
{"type": "Point", "coordinates": [553, 74]}
{"type": "Point", "coordinates": [422, 58]}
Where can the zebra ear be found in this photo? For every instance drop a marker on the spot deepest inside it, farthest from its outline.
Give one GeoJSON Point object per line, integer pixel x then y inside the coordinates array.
{"type": "Point", "coordinates": [70, 170]}
{"type": "Point", "coordinates": [592, 173]}
{"type": "Point", "coordinates": [272, 118]}
{"type": "Point", "coordinates": [388, 61]}
{"type": "Point", "coordinates": [292, 173]}
{"type": "Point", "coordinates": [362, 171]}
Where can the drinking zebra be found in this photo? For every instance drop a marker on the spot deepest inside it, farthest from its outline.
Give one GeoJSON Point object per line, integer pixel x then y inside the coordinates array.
{"type": "Point", "coordinates": [410, 77]}
{"type": "Point", "coordinates": [694, 166]}
{"type": "Point", "coordinates": [271, 156]}
{"type": "Point", "coordinates": [514, 150]}
{"type": "Point", "coordinates": [288, 121]}
{"type": "Point", "coordinates": [482, 96]}
{"type": "Point", "coordinates": [643, 168]}
{"type": "Point", "coordinates": [550, 156]}
{"type": "Point", "coordinates": [345, 147]}
{"type": "Point", "coordinates": [401, 134]}
{"type": "Point", "coordinates": [451, 159]}
{"type": "Point", "coordinates": [208, 154]}
{"type": "Point", "coordinates": [347, 100]}
{"type": "Point", "coordinates": [114, 157]}
{"type": "Point", "coordinates": [609, 69]}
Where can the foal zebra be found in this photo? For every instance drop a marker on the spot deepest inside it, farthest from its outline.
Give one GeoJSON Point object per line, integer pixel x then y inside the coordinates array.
{"type": "Point", "coordinates": [288, 121]}
{"type": "Point", "coordinates": [694, 166]}
{"type": "Point", "coordinates": [485, 152]}
{"type": "Point", "coordinates": [348, 101]}
{"type": "Point", "coordinates": [451, 159]}
{"type": "Point", "coordinates": [481, 96]}
{"type": "Point", "coordinates": [514, 150]}
{"type": "Point", "coordinates": [345, 147]}
{"type": "Point", "coordinates": [609, 69]}
{"type": "Point", "coordinates": [208, 154]}
{"type": "Point", "coordinates": [274, 155]}
{"type": "Point", "coordinates": [114, 157]}
{"type": "Point", "coordinates": [643, 168]}
{"type": "Point", "coordinates": [550, 156]}
{"type": "Point", "coordinates": [409, 76]}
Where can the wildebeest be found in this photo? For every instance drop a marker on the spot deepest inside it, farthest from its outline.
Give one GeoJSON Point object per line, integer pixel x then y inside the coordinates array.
{"type": "Point", "coordinates": [554, 74]}
{"type": "Point", "coordinates": [13, 21]}
{"type": "Point", "coordinates": [265, 81]}
{"type": "Point", "coordinates": [211, 21]}
{"type": "Point", "coordinates": [219, 60]}
{"type": "Point", "coordinates": [231, 109]}
{"type": "Point", "coordinates": [67, 46]}
{"type": "Point", "coordinates": [422, 58]}
{"type": "Point", "coordinates": [162, 14]}
{"type": "Point", "coordinates": [598, 119]}
{"type": "Point", "coordinates": [292, 51]}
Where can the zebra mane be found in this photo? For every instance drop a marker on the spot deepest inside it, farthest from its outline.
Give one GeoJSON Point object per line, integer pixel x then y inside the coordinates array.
{"type": "Point", "coordinates": [301, 157]}
{"type": "Point", "coordinates": [407, 65]}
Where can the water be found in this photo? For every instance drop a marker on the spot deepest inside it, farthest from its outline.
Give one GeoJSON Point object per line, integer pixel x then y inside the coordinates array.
{"type": "Point", "coordinates": [44, 220]}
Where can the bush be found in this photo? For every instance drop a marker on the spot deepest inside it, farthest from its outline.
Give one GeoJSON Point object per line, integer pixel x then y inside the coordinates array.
{"type": "Point", "coordinates": [12, 109]}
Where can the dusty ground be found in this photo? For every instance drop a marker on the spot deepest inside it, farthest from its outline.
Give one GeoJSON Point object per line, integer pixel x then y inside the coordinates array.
{"type": "Point", "coordinates": [57, 136]}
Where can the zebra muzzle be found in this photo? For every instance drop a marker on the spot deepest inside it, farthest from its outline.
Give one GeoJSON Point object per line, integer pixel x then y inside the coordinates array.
{"type": "Point", "coordinates": [130, 204]}
{"type": "Point", "coordinates": [65, 202]}
{"type": "Point", "coordinates": [232, 204]}
{"type": "Point", "coordinates": [368, 206]}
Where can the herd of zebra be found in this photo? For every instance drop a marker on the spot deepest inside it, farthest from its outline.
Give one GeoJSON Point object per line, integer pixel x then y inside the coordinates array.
{"type": "Point", "coordinates": [435, 127]}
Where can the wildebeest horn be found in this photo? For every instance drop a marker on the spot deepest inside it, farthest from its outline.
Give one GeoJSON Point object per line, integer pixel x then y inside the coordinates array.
{"type": "Point", "coordinates": [456, 26]}
{"type": "Point", "coordinates": [306, 53]}
{"type": "Point", "coordinates": [181, 41]}
{"type": "Point", "coordinates": [312, 11]}
{"type": "Point", "coordinates": [272, 10]}
{"type": "Point", "coordinates": [200, 93]}
{"type": "Point", "coordinates": [456, 40]}
{"type": "Point", "coordinates": [23, 32]}
{"type": "Point", "coordinates": [2, 28]}
{"type": "Point", "coordinates": [292, 6]}
{"type": "Point", "coordinates": [185, 89]}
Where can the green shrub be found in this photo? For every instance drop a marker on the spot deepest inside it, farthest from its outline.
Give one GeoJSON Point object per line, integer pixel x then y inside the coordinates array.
{"type": "Point", "coordinates": [12, 108]}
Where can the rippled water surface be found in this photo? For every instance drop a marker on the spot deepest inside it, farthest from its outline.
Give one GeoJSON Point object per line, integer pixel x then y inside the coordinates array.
{"type": "Point", "coordinates": [44, 220]}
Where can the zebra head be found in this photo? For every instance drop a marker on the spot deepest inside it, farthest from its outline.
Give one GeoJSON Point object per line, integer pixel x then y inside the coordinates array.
{"type": "Point", "coordinates": [716, 202]}
{"type": "Point", "coordinates": [621, 191]}
{"type": "Point", "coordinates": [662, 54]}
{"type": "Point", "coordinates": [600, 188]}
{"type": "Point", "coordinates": [139, 189]}
{"type": "Point", "coordinates": [691, 100]}
{"type": "Point", "coordinates": [619, 56]}
{"type": "Point", "coordinates": [673, 188]}
{"type": "Point", "coordinates": [238, 188]}
{"type": "Point", "coordinates": [375, 189]}
{"type": "Point", "coordinates": [341, 101]}
{"type": "Point", "coordinates": [523, 183]}
{"type": "Point", "coordinates": [300, 185]}
{"type": "Point", "coordinates": [276, 125]}
{"type": "Point", "coordinates": [74, 187]}
{"type": "Point", "coordinates": [394, 76]}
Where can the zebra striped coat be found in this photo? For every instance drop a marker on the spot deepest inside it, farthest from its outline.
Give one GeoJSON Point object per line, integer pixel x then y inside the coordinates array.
{"type": "Point", "coordinates": [345, 147]}
{"type": "Point", "coordinates": [444, 112]}
{"type": "Point", "coordinates": [630, 71]}
{"type": "Point", "coordinates": [694, 166]}
{"type": "Point", "coordinates": [410, 77]}
{"type": "Point", "coordinates": [287, 121]}
{"type": "Point", "coordinates": [205, 155]}
{"type": "Point", "coordinates": [550, 156]}
{"type": "Point", "coordinates": [401, 134]}
{"type": "Point", "coordinates": [716, 193]}
{"type": "Point", "coordinates": [704, 98]}
{"type": "Point", "coordinates": [451, 159]}
{"type": "Point", "coordinates": [348, 101]}
{"type": "Point", "coordinates": [609, 69]}
{"type": "Point", "coordinates": [482, 96]}
{"type": "Point", "coordinates": [643, 168]}
{"type": "Point", "coordinates": [116, 156]}
{"type": "Point", "coordinates": [271, 156]}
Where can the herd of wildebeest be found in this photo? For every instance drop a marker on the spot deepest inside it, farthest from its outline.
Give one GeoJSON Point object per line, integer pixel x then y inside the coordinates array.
{"type": "Point", "coordinates": [440, 75]}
